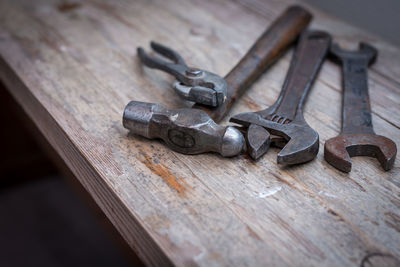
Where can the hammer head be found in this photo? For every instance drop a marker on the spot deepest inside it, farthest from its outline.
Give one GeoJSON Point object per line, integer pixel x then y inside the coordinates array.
{"type": "Point", "coordinates": [303, 141]}
{"type": "Point", "coordinates": [338, 150]}
{"type": "Point", "coordinates": [187, 131]}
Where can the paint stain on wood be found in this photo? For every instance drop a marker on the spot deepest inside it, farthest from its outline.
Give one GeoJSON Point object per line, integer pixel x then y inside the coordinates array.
{"type": "Point", "coordinates": [68, 6]}
{"type": "Point", "coordinates": [177, 184]}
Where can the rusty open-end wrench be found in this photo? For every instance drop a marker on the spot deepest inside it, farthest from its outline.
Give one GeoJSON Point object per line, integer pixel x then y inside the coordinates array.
{"type": "Point", "coordinates": [285, 117]}
{"type": "Point", "coordinates": [357, 137]}
{"type": "Point", "coordinates": [194, 131]}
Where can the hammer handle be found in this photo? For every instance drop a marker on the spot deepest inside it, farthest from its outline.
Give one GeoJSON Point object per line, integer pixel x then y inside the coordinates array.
{"type": "Point", "coordinates": [269, 47]}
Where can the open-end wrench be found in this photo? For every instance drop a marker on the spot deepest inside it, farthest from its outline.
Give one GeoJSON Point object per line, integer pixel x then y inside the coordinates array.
{"type": "Point", "coordinates": [285, 117]}
{"type": "Point", "coordinates": [357, 137]}
{"type": "Point", "coordinates": [193, 131]}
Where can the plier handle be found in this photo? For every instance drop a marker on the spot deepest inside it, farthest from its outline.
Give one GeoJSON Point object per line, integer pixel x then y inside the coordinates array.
{"type": "Point", "coordinates": [192, 84]}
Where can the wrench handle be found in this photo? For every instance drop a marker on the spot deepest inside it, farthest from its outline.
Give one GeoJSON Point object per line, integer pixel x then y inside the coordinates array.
{"type": "Point", "coordinates": [269, 47]}
{"type": "Point", "coordinates": [356, 116]}
{"type": "Point", "coordinates": [306, 63]}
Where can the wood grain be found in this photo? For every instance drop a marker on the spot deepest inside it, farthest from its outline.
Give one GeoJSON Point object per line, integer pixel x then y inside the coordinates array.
{"type": "Point", "coordinates": [73, 68]}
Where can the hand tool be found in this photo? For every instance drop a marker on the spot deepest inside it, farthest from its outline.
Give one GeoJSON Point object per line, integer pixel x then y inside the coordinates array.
{"type": "Point", "coordinates": [285, 117]}
{"type": "Point", "coordinates": [188, 131]}
{"type": "Point", "coordinates": [192, 84]}
{"type": "Point", "coordinates": [192, 122]}
{"type": "Point", "coordinates": [357, 137]}
{"type": "Point", "coordinates": [269, 47]}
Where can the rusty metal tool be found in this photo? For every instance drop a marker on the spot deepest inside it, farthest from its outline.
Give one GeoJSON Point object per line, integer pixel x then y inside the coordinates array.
{"type": "Point", "coordinates": [357, 137]}
{"type": "Point", "coordinates": [192, 84]}
{"type": "Point", "coordinates": [188, 131]}
{"type": "Point", "coordinates": [269, 47]}
{"type": "Point", "coordinates": [285, 117]}
{"type": "Point", "coordinates": [193, 131]}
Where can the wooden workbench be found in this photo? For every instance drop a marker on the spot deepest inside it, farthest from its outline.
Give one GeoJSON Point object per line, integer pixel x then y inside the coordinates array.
{"type": "Point", "coordinates": [73, 67]}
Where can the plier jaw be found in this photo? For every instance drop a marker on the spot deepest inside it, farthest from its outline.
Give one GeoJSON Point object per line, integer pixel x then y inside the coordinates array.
{"type": "Point", "coordinates": [192, 84]}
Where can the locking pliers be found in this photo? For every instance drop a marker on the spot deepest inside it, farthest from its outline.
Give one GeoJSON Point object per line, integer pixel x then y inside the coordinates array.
{"type": "Point", "coordinates": [192, 84]}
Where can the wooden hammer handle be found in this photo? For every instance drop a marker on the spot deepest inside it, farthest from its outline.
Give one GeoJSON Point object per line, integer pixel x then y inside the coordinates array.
{"type": "Point", "coordinates": [269, 47]}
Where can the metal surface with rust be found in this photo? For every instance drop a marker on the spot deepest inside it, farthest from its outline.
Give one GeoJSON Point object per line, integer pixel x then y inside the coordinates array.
{"type": "Point", "coordinates": [195, 131]}
{"type": "Point", "coordinates": [269, 47]}
{"type": "Point", "coordinates": [285, 116]}
{"type": "Point", "coordinates": [357, 137]}
{"type": "Point", "coordinates": [192, 84]}
{"type": "Point", "coordinates": [188, 131]}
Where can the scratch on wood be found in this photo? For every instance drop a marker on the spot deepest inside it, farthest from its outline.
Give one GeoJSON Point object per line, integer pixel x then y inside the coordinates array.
{"type": "Point", "coordinates": [249, 160]}
{"type": "Point", "coordinates": [188, 251]}
{"type": "Point", "coordinates": [158, 221]}
{"type": "Point", "coordinates": [356, 183]}
{"type": "Point", "coordinates": [393, 220]}
{"type": "Point", "coordinates": [251, 104]}
{"type": "Point", "coordinates": [280, 179]}
{"type": "Point", "coordinates": [50, 43]}
{"type": "Point", "coordinates": [252, 233]}
{"type": "Point", "coordinates": [163, 172]}
{"type": "Point", "coordinates": [379, 259]}
{"type": "Point", "coordinates": [111, 11]}
{"type": "Point", "coordinates": [334, 213]}
{"type": "Point", "coordinates": [395, 202]}
{"type": "Point", "coordinates": [310, 247]}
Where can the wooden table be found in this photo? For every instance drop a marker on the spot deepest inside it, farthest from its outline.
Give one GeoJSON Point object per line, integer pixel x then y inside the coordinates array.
{"type": "Point", "coordinates": [73, 67]}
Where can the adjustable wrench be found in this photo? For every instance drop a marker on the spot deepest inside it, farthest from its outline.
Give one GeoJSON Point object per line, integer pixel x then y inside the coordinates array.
{"type": "Point", "coordinates": [357, 137]}
{"type": "Point", "coordinates": [285, 117]}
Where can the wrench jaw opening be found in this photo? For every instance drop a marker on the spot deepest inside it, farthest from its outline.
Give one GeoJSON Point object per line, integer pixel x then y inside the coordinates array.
{"type": "Point", "coordinates": [366, 52]}
{"type": "Point", "coordinates": [302, 147]}
{"type": "Point", "coordinates": [303, 141]}
{"type": "Point", "coordinates": [339, 150]}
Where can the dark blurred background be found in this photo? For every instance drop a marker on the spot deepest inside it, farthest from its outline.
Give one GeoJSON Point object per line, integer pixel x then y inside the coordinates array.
{"type": "Point", "coordinates": [48, 218]}
{"type": "Point", "coordinates": [380, 17]}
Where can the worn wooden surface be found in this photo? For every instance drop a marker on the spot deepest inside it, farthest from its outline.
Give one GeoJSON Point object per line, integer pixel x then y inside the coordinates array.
{"type": "Point", "coordinates": [73, 67]}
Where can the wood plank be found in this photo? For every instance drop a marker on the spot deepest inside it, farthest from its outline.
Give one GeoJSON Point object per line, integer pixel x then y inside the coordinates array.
{"type": "Point", "coordinates": [74, 69]}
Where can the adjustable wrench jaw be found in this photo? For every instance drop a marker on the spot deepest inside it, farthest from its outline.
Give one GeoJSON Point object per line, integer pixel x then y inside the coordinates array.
{"type": "Point", "coordinates": [339, 149]}
{"type": "Point", "coordinates": [303, 141]}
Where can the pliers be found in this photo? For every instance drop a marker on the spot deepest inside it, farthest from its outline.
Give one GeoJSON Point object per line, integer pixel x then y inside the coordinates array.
{"type": "Point", "coordinates": [192, 84]}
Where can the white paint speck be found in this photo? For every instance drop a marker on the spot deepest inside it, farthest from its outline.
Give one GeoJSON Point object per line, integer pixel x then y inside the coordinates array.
{"type": "Point", "coordinates": [327, 194]}
{"type": "Point", "coordinates": [200, 256]}
{"type": "Point", "coordinates": [63, 48]}
{"type": "Point", "coordinates": [269, 192]}
{"type": "Point", "coordinates": [174, 117]}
